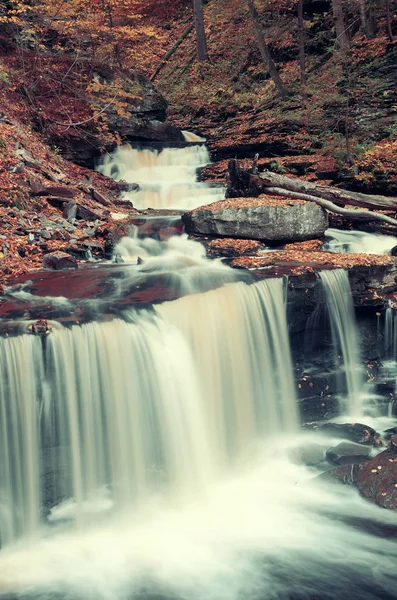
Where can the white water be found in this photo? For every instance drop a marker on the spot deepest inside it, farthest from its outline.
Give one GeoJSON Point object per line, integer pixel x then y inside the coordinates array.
{"type": "Point", "coordinates": [390, 341]}
{"type": "Point", "coordinates": [267, 532]}
{"type": "Point", "coordinates": [21, 367]}
{"type": "Point", "coordinates": [148, 404]}
{"type": "Point", "coordinates": [359, 241]}
{"type": "Point", "coordinates": [344, 333]}
{"type": "Point", "coordinates": [167, 178]}
{"type": "Point", "coordinates": [192, 137]}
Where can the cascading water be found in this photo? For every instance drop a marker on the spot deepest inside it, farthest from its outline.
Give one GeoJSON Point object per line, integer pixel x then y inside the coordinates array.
{"type": "Point", "coordinates": [167, 178]}
{"type": "Point", "coordinates": [344, 333]}
{"type": "Point", "coordinates": [389, 363]}
{"type": "Point", "coordinates": [21, 368]}
{"type": "Point", "coordinates": [150, 402]}
{"type": "Point", "coordinates": [359, 241]}
{"type": "Point", "coordinates": [390, 340]}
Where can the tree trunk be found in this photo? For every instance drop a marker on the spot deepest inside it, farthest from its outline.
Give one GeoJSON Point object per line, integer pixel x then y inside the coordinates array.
{"type": "Point", "coordinates": [172, 50]}
{"type": "Point", "coordinates": [242, 183]}
{"type": "Point", "coordinates": [352, 213]}
{"type": "Point", "coordinates": [202, 51]}
{"type": "Point", "coordinates": [363, 15]}
{"type": "Point", "coordinates": [341, 41]}
{"type": "Point", "coordinates": [388, 21]}
{"type": "Point", "coordinates": [368, 18]}
{"type": "Point", "coordinates": [301, 42]}
{"type": "Point", "coordinates": [264, 50]}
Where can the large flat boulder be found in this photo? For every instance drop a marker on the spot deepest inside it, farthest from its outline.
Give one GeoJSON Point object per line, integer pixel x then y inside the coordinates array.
{"type": "Point", "coordinates": [262, 218]}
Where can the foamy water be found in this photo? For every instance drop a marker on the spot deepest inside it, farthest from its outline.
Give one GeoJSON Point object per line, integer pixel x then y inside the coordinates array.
{"type": "Point", "coordinates": [167, 178]}
{"type": "Point", "coordinates": [359, 241]}
{"type": "Point", "coordinates": [268, 531]}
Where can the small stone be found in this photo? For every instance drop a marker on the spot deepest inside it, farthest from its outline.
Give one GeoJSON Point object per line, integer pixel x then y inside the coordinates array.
{"type": "Point", "coordinates": [99, 197]}
{"type": "Point", "coordinates": [37, 188]}
{"type": "Point", "coordinates": [69, 210]}
{"type": "Point", "coordinates": [57, 235]}
{"type": "Point", "coordinates": [59, 261]}
{"type": "Point", "coordinates": [86, 213]}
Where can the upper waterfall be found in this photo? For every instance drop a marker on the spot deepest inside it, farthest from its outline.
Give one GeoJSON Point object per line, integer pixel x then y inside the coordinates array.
{"type": "Point", "coordinates": [167, 178]}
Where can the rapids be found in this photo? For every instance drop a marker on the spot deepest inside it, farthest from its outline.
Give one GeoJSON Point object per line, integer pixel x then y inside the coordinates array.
{"type": "Point", "coordinates": [166, 178]}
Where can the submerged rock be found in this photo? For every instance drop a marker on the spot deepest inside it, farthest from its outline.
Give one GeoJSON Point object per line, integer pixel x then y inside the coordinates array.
{"type": "Point", "coordinates": [347, 453]}
{"type": "Point", "coordinates": [355, 432]}
{"type": "Point", "coordinates": [263, 218]}
{"type": "Point", "coordinates": [308, 454]}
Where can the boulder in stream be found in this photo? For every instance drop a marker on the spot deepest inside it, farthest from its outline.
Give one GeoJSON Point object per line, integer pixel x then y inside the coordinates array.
{"type": "Point", "coordinates": [262, 218]}
{"type": "Point", "coordinates": [347, 453]}
{"type": "Point", "coordinates": [355, 432]}
{"type": "Point", "coordinates": [375, 479]}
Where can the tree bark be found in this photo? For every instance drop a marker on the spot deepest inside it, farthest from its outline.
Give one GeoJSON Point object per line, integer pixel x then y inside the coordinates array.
{"type": "Point", "coordinates": [368, 18]}
{"type": "Point", "coordinates": [341, 41]}
{"type": "Point", "coordinates": [358, 215]}
{"type": "Point", "coordinates": [202, 51]}
{"type": "Point", "coordinates": [242, 183]}
{"type": "Point", "coordinates": [301, 43]}
{"type": "Point", "coordinates": [388, 21]}
{"type": "Point", "coordinates": [172, 50]}
{"type": "Point", "coordinates": [336, 195]}
{"type": "Point", "coordinates": [264, 50]}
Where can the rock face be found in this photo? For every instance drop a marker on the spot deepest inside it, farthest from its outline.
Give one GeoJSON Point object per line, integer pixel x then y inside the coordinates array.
{"type": "Point", "coordinates": [263, 218]}
{"type": "Point", "coordinates": [142, 118]}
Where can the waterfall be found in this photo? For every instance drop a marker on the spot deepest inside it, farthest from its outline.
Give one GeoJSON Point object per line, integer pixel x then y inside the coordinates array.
{"type": "Point", "coordinates": [344, 333]}
{"type": "Point", "coordinates": [164, 401]}
{"type": "Point", "coordinates": [166, 178]}
{"type": "Point", "coordinates": [390, 339]}
{"type": "Point", "coordinates": [21, 370]}
{"type": "Point", "coordinates": [192, 137]}
{"type": "Point", "coordinates": [239, 338]}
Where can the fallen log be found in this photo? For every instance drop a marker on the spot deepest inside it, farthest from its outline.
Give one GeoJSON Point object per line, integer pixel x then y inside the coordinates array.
{"type": "Point", "coordinates": [352, 213]}
{"type": "Point", "coordinates": [244, 183]}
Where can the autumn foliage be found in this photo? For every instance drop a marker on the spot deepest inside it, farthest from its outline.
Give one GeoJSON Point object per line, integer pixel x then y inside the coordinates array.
{"type": "Point", "coordinates": [56, 57]}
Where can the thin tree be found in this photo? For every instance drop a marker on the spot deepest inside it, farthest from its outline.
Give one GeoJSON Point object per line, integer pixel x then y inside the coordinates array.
{"type": "Point", "coordinates": [301, 43]}
{"type": "Point", "coordinates": [342, 41]}
{"type": "Point", "coordinates": [368, 18]}
{"type": "Point", "coordinates": [202, 50]}
{"type": "Point", "coordinates": [388, 21]}
{"type": "Point", "coordinates": [264, 50]}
